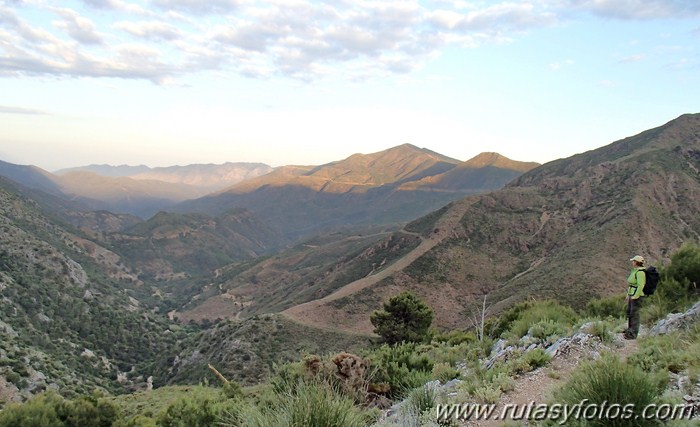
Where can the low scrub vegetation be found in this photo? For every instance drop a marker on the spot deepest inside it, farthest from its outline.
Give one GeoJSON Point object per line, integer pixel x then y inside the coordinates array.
{"type": "Point", "coordinates": [352, 389]}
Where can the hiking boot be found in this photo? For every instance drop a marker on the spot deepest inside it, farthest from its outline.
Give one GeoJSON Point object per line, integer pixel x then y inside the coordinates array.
{"type": "Point", "coordinates": [629, 336]}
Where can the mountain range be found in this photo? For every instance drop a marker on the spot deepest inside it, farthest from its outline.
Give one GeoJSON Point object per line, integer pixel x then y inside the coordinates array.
{"type": "Point", "coordinates": [92, 296]}
{"type": "Point", "coordinates": [564, 230]}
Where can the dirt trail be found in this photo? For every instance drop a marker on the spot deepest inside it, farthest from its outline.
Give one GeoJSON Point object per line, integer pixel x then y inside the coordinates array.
{"type": "Point", "coordinates": [538, 386]}
{"type": "Point", "coordinates": [445, 226]}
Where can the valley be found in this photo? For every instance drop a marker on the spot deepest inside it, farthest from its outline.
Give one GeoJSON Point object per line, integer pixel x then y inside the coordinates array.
{"type": "Point", "coordinates": [126, 282]}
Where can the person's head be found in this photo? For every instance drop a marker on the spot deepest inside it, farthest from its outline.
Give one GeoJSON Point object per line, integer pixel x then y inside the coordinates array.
{"type": "Point", "coordinates": [637, 261]}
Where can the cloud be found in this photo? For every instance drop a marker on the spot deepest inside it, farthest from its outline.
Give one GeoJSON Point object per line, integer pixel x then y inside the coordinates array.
{"type": "Point", "coordinates": [199, 7]}
{"type": "Point", "coordinates": [632, 58]}
{"type": "Point", "coordinates": [639, 9]}
{"type": "Point", "coordinates": [78, 27]}
{"type": "Point", "coordinates": [152, 30]}
{"type": "Point", "coordinates": [496, 18]}
{"type": "Point", "coordinates": [116, 5]}
{"type": "Point", "coordinates": [4, 109]}
{"type": "Point", "coordinates": [300, 39]}
{"type": "Point", "coordinates": [556, 66]}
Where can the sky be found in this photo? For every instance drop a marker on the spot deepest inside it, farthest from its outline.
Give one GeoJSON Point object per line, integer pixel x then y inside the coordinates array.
{"type": "Point", "coordinates": [176, 82]}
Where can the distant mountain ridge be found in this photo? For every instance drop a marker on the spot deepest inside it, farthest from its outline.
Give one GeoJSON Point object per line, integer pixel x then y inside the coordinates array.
{"type": "Point", "coordinates": [389, 186]}
{"type": "Point", "coordinates": [564, 230]}
{"type": "Point", "coordinates": [209, 177]}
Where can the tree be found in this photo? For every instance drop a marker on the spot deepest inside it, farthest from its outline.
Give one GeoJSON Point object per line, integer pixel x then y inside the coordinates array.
{"type": "Point", "coordinates": [404, 317]}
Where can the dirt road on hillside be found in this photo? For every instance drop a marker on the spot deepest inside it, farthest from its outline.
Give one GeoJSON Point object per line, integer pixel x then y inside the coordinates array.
{"type": "Point", "coordinates": [309, 312]}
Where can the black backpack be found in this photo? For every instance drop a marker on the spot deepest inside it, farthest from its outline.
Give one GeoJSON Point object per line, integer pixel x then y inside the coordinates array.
{"type": "Point", "coordinates": [652, 279]}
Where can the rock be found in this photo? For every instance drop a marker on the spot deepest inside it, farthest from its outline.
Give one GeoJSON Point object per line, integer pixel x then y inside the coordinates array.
{"type": "Point", "coordinates": [553, 350]}
{"type": "Point", "coordinates": [498, 346]}
{"type": "Point", "coordinates": [88, 353]}
{"type": "Point", "coordinates": [676, 321]}
{"type": "Point", "coordinates": [452, 385]}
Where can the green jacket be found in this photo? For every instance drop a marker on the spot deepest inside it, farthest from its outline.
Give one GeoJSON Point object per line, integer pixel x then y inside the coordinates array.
{"type": "Point", "coordinates": [636, 280]}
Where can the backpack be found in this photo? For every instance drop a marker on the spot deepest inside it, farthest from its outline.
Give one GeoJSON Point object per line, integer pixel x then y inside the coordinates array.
{"type": "Point", "coordinates": [652, 279]}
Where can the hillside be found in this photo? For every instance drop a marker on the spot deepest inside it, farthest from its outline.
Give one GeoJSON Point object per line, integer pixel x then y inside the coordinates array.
{"type": "Point", "coordinates": [387, 187]}
{"type": "Point", "coordinates": [207, 177]}
{"type": "Point", "coordinates": [174, 246]}
{"type": "Point", "coordinates": [30, 176]}
{"type": "Point", "coordinates": [564, 230]}
{"type": "Point", "coordinates": [69, 319]}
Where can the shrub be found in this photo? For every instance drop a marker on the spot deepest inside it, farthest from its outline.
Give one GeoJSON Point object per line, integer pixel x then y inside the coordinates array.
{"type": "Point", "coordinates": [487, 394]}
{"type": "Point", "coordinates": [610, 380]}
{"type": "Point", "coordinates": [423, 398]}
{"type": "Point", "coordinates": [40, 411]}
{"type": "Point", "coordinates": [673, 352]}
{"type": "Point", "coordinates": [503, 382]}
{"type": "Point", "coordinates": [555, 316]}
{"type": "Point", "coordinates": [602, 329]}
{"type": "Point", "coordinates": [312, 405]}
{"type": "Point", "coordinates": [443, 372]}
{"type": "Point", "coordinates": [51, 410]}
{"type": "Point", "coordinates": [536, 358]}
{"type": "Point", "coordinates": [404, 318]}
{"type": "Point", "coordinates": [199, 411]}
{"type": "Point", "coordinates": [402, 366]}
{"type": "Point", "coordinates": [604, 308]}
{"type": "Point", "coordinates": [545, 329]}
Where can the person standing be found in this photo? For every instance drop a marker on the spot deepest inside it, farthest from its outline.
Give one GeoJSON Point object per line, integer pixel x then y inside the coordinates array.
{"type": "Point", "coordinates": [635, 296]}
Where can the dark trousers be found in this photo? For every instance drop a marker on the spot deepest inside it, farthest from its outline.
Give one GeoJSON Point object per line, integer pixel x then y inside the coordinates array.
{"type": "Point", "coordinates": [633, 307]}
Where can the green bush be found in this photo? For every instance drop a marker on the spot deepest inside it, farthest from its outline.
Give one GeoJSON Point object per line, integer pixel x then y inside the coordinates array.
{"type": "Point", "coordinates": [487, 394]}
{"type": "Point", "coordinates": [312, 405]}
{"type": "Point", "coordinates": [602, 329]}
{"type": "Point", "coordinates": [199, 410]}
{"type": "Point", "coordinates": [423, 398]}
{"type": "Point", "coordinates": [547, 329]}
{"type": "Point", "coordinates": [402, 366]}
{"type": "Point", "coordinates": [675, 352]}
{"type": "Point", "coordinates": [610, 380]}
{"type": "Point", "coordinates": [51, 410]}
{"type": "Point", "coordinates": [504, 382]}
{"type": "Point", "coordinates": [555, 317]}
{"type": "Point", "coordinates": [404, 318]}
{"type": "Point", "coordinates": [443, 372]}
{"type": "Point", "coordinates": [536, 358]}
{"type": "Point", "coordinates": [604, 308]}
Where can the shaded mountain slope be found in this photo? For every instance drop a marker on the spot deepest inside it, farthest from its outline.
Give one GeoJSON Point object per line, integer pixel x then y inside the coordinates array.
{"type": "Point", "coordinates": [125, 195]}
{"type": "Point", "coordinates": [564, 230]}
{"type": "Point", "coordinates": [206, 177]}
{"type": "Point", "coordinates": [69, 317]}
{"type": "Point", "coordinates": [306, 272]}
{"type": "Point", "coordinates": [387, 187]}
{"type": "Point", "coordinates": [178, 246]}
{"type": "Point", "coordinates": [30, 176]}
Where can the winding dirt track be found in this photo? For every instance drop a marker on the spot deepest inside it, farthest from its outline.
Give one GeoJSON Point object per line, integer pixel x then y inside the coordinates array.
{"type": "Point", "coordinates": [307, 313]}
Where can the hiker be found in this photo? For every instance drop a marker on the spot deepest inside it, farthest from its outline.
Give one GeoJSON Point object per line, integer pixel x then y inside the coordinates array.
{"type": "Point", "coordinates": [635, 296]}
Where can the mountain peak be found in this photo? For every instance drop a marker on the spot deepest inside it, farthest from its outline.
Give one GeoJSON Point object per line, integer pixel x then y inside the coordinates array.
{"type": "Point", "coordinates": [493, 159]}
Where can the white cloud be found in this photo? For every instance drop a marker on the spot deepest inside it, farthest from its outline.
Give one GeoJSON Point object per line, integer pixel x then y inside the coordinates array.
{"type": "Point", "coordinates": [198, 7]}
{"type": "Point", "coordinates": [78, 27]}
{"type": "Point", "coordinates": [556, 66]}
{"type": "Point", "coordinates": [301, 39]}
{"type": "Point", "coordinates": [632, 58]}
{"type": "Point", "coordinates": [640, 9]}
{"type": "Point", "coordinates": [4, 109]}
{"type": "Point", "coordinates": [153, 30]}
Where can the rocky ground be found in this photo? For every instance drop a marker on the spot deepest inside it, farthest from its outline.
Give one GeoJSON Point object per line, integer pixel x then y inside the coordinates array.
{"type": "Point", "coordinates": [538, 385]}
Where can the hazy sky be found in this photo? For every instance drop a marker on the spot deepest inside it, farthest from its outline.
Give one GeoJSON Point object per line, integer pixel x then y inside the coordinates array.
{"type": "Point", "coordinates": [165, 82]}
